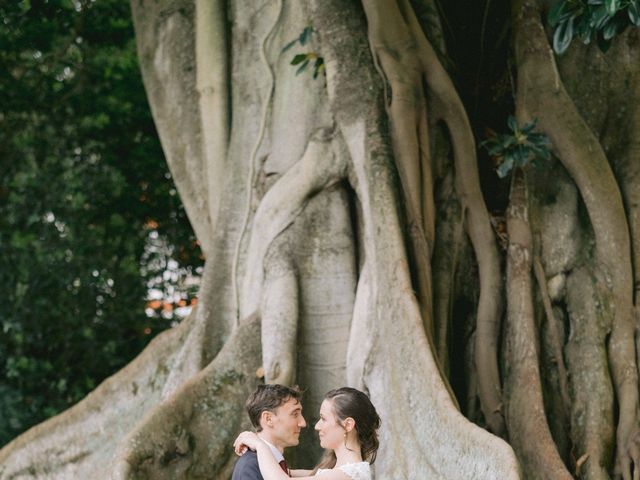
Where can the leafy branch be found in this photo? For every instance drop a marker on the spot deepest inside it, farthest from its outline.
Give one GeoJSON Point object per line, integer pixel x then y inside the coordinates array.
{"type": "Point", "coordinates": [591, 19]}
{"type": "Point", "coordinates": [303, 60]}
{"type": "Point", "coordinates": [522, 146]}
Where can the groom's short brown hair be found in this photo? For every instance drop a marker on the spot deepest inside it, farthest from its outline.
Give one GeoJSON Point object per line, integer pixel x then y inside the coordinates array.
{"type": "Point", "coordinates": [267, 398]}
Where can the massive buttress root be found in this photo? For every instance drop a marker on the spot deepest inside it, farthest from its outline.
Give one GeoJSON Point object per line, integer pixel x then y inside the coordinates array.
{"type": "Point", "coordinates": [190, 435]}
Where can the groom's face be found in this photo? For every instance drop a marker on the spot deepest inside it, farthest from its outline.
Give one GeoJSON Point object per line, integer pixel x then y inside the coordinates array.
{"type": "Point", "coordinates": [286, 424]}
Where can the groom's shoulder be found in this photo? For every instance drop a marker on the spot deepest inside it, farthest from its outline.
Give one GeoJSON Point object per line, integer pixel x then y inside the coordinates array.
{"type": "Point", "coordinates": [246, 468]}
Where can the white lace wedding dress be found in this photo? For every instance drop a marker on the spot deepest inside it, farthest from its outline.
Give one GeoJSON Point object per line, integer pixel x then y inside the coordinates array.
{"type": "Point", "coordinates": [355, 471]}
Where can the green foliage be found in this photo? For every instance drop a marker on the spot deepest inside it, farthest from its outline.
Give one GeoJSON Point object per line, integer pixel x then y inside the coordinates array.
{"type": "Point", "coordinates": [83, 187]}
{"type": "Point", "coordinates": [591, 19]}
{"type": "Point", "coordinates": [303, 60]}
{"type": "Point", "coordinates": [522, 146]}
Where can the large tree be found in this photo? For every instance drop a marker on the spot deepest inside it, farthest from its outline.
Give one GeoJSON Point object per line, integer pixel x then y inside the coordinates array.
{"type": "Point", "coordinates": [347, 241]}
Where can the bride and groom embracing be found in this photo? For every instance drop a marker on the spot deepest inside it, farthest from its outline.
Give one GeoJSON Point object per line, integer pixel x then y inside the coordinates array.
{"type": "Point", "coordinates": [347, 429]}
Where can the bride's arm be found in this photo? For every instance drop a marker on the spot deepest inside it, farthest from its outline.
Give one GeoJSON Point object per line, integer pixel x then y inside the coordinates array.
{"type": "Point", "coordinates": [300, 473]}
{"type": "Point", "coordinates": [269, 468]}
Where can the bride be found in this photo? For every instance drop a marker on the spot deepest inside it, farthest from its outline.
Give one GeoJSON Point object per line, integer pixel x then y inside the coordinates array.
{"type": "Point", "coordinates": [348, 431]}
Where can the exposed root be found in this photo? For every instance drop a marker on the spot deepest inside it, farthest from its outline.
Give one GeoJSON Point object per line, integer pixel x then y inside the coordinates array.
{"type": "Point", "coordinates": [213, 89]}
{"type": "Point", "coordinates": [526, 420]}
{"type": "Point", "coordinates": [405, 58]}
{"type": "Point", "coordinates": [409, 373]}
{"type": "Point", "coordinates": [319, 167]}
{"type": "Point", "coordinates": [71, 444]}
{"type": "Point", "coordinates": [175, 441]}
{"type": "Point", "coordinates": [252, 168]}
{"type": "Point", "coordinates": [280, 316]}
{"type": "Point", "coordinates": [395, 54]}
{"type": "Point", "coordinates": [448, 106]}
{"type": "Point", "coordinates": [542, 95]}
{"type": "Point", "coordinates": [197, 349]}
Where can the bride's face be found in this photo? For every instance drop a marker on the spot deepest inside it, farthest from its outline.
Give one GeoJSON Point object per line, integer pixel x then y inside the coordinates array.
{"type": "Point", "coordinates": [329, 429]}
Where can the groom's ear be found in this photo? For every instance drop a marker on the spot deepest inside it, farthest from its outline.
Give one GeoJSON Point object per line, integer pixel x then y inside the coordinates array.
{"type": "Point", "coordinates": [266, 419]}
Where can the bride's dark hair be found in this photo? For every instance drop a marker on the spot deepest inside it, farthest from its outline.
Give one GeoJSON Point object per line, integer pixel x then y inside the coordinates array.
{"type": "Point", "coordinates": [349, 402]}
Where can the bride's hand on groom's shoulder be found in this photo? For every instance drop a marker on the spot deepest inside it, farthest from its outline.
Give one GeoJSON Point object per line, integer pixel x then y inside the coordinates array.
{"type": "Point", "coordinates": [244, 441]}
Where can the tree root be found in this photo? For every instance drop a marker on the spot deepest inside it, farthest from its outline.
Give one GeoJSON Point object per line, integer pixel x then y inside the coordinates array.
{"type": "Point", "coordinates": [592, 416]}
{"type": "Point", "coordinates": [280, 315]}
{"type": "Point", "coordinates": [436, 439]}
{"type": "Point", "coordinates": [542, 95]}
{"type": "Point", "coordinates": [395, 55]}
{"type": "Point", "coordinates": [175, 441]}
{"type": "Point", "coordinates": [403, 52]}
{"type": "Point", "coordinates": [448, 107]}
{"type": "Point", "coordinates": [526, 420]}
{"type": "Point", "coordinates": [252, 167]}
{"type": "Point", "coordinates": [71, 444]}
{"type": "Point", "coordinates": [213, 89]}
{"type": "Point", "coordinates": [320, 166]}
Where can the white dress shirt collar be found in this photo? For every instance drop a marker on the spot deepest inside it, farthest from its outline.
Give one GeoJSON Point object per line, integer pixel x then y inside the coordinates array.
{"type": "Point", "coordinates": [276, 453]}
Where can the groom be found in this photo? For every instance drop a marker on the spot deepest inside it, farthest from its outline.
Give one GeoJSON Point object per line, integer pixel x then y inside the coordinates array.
{"type": "Point", "coordinates": [276, 413]}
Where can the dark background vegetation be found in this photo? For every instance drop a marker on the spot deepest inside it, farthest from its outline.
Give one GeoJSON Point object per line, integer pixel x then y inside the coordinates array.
{"type": "Point", "coordinates": [89, 216]}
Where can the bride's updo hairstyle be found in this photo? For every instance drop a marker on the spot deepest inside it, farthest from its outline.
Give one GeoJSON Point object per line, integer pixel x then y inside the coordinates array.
{"type": "Point", "coordinates": [349, 402]}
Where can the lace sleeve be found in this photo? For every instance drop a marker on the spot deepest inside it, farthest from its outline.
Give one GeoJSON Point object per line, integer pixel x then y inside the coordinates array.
{"type": "Point", "coordinates": [357, 471]}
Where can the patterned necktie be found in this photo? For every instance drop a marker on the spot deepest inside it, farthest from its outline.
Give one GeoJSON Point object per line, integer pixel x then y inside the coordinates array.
{"type": "Point", "coordinates": [283, 466]}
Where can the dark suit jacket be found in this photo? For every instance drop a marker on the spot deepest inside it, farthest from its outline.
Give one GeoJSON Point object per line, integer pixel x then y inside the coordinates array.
{"type": "Point", "coordinates": [246, 467]}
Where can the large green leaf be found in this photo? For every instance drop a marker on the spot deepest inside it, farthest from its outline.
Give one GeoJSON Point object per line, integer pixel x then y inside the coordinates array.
{"type": "Point", "coordinates": [305, 35]}
{"type": "Point", "coordinates": [563, 35]}
{"type": "Point", "coordinates": [559, 12]}
{"type": "Point", "coordinates": [289, 45]}
{"type": "Point", "coordinates": [299, 58]}
{"type": "Point", "coordinates": [599, 17]}
{"type": "Point", "coordinates": [583, 29]}
{"type": "Point", "coordinates": [612, 6]}
{"type": "Point", "coordinates": [302, 66]}
{"type": "Point", "coordinates": [610, 29]}
{"type": "Point", "coordinates": [529, 127]}
{"type": "Point", "coordinates": [512, 123]}
{"type": "Point", "coordinates": [634, 12]}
